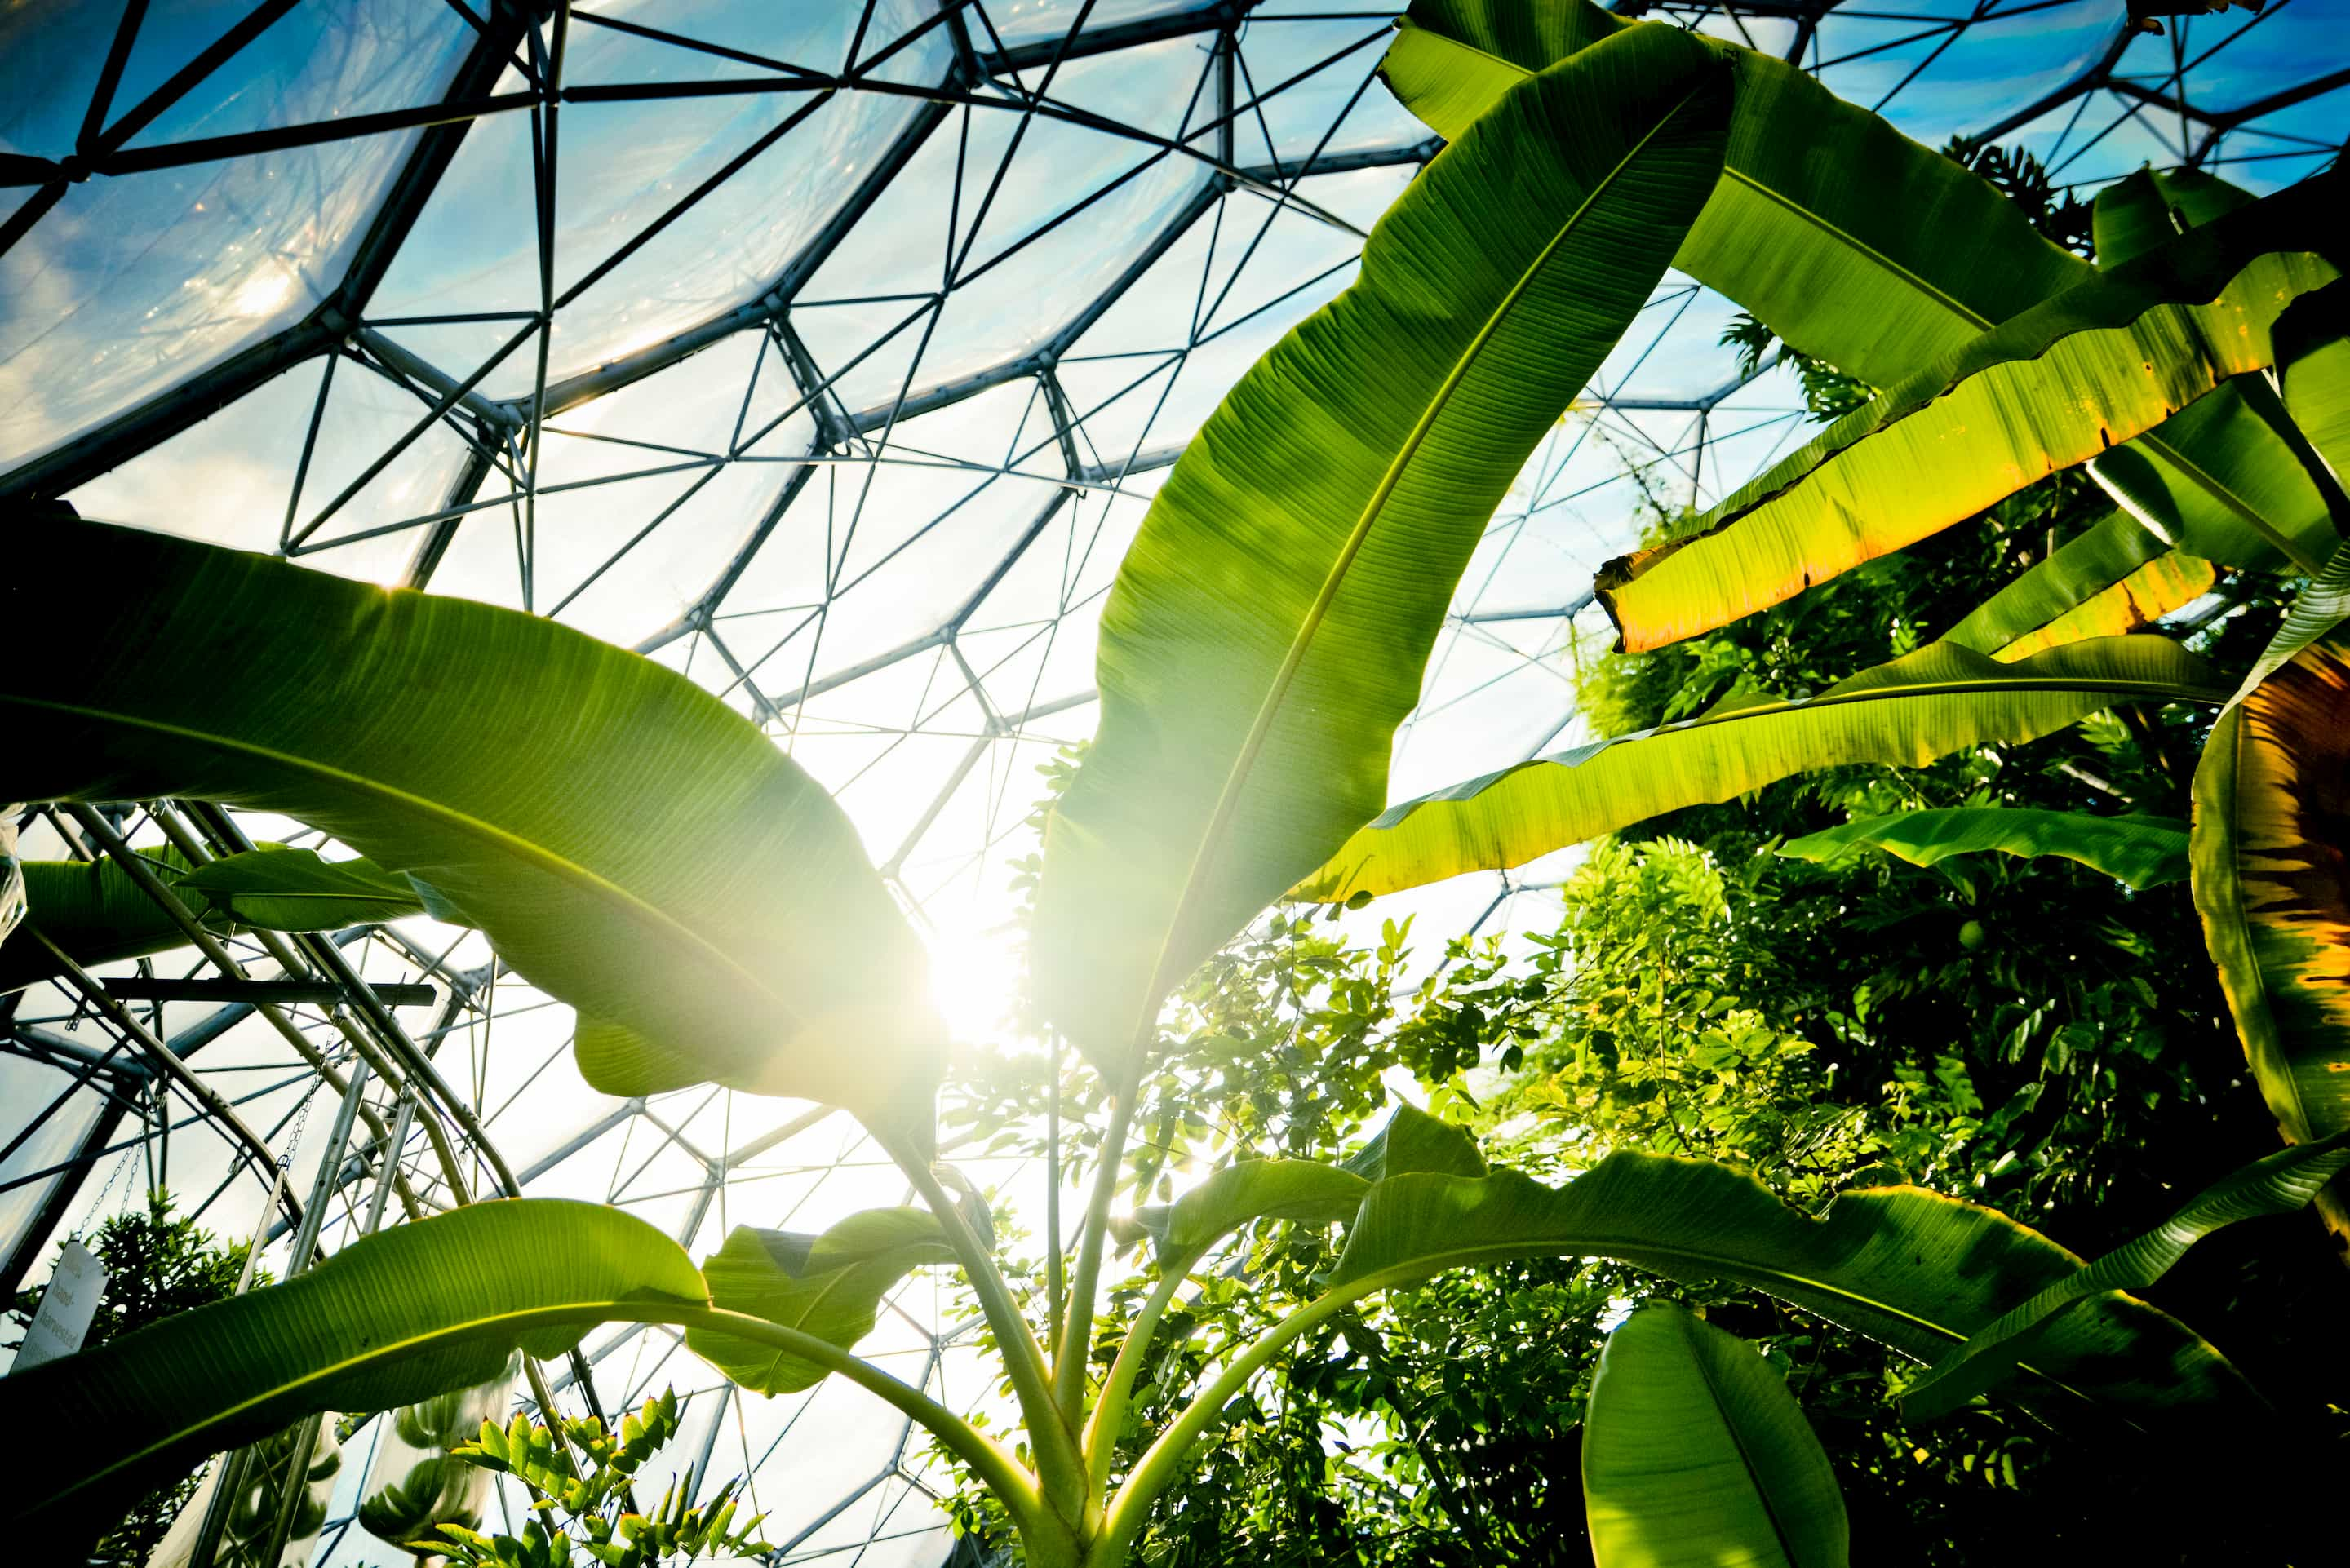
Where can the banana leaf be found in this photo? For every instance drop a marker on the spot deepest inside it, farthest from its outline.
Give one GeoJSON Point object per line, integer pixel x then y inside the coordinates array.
{"type": "Point", "coordinates": [95, 912]}
{"type": "Point", "coordinates": [2277, 1185]}
{"type": "Point", "coordinates": [2312, 343]}
{"type": "Point", "coordinates": [1268, 627]}
{"type": "Point", "coordinates": [1410, 1140]}
{"type": "Point", "coordinates": [409, 1313]}
{"type": "Point", "coordinates": [1301, 1189]}
{"type": "Point", "coordinates": [1696, 1455]}
{"type": "Point", "coordinates": [2220, 478]}
{"type": "Point", "coordinates": [1845, 237]}
{"type": "Point", "coordinates": [2142, 851]}
{"type": "Point", "coordinates": [1909, 1267]}
{"type": "Point", "coordinates": [2083, 566]}
{"type": "Point", "coordinates": [1860, 246]}
{"type": "Point", "coordinates": [2049, 389]}
{"type": "Point", "coordinates": [2148, 208]}
{"type": "Point", "coordinates": [630, 843]}
{"type": "Point", "coordinates": [1926, 704]}
{"type": "Point", "coordinates": [830, 1285]}
{"type": "Point", "coordinates": [2167, 583]}
{"type": "Point", "coordinates": [2272, 880]}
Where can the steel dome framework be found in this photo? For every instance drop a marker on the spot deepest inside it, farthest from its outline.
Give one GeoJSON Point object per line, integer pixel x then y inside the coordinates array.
{"type": "Point", "coordinates": [830, 353]}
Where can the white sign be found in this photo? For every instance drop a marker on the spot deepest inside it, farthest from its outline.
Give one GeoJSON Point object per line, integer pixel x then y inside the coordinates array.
{"type": "Point", "coordinates": [66, 1308]}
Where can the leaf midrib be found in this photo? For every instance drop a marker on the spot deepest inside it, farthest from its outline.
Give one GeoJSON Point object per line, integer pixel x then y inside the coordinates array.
{"type": "Point", "coordinates": [1228, 799]}
{"type": "Point", "coordinates": [527, 850]}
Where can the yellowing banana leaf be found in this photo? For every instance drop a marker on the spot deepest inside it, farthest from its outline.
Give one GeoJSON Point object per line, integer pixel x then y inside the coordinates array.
{"type": "Point", "coordinates": [2083, 566]}
{"type": "Point", "coordinates": [1268, 627]}
{"type": "Point", "coordinates": [2048, 390]}
{"type": "Point", "coordinates": [1908, 1268]}
{"type": "Point", "coordinates": [2146, 210]}
{"type": "Point", "coordinates": [628, 843]}
{"type": "Point", "coordinates": [1938, 700]}
{"type": "Point", "coordinates": [831, 1286]}
{"type": "Point", "coordinates": [1696, 1455]}
{"type": "Point", "coordinates": [2272, 877]}
{"type": "Point", "coordinates": [2167, 583]}
{"type": "Point", "coordinates": [413, 1311]}
{"type": "Point", "coordinates": [1864, 248]}
{"type": "Point", "coordinates": [95, 912]}
{"type": "Point", "coordinates": [2143, 851]}
{"type": "Point", "coordinates": [1847, 238]}
{"type": "Point", "coordinates": [2277, 1185]}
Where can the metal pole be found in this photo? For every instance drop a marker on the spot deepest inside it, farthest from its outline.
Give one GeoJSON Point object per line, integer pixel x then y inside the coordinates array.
{"type": "Point", "coordinates": [322, 1193]}
{"type": "Point", "coordinates": [232, 1464]}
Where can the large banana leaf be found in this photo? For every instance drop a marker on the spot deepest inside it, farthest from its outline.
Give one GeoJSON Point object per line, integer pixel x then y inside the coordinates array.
{"type": "Point", "coordinates": [2148, 209]}
{"type": "Point", "coordinates": [2056, 386]}
{"type": "Point", "coordinates": [2272, 877]}
{"type": "Point", "coordinates": [2220, 481]}
{"type": "Point", "coordinates": [95, 912]}
{"type": "Point", "coordinates": [413, 1311]}
{"type": "Point", "coordinates": [630, 843]}
{"type": "Point", "coordinates": [1695, 1454]}
{"type": "Point", "coordinates": [1858, 246]}
{"type": "Point", "coordinates": [1910, 1268]}
{"type": "Point", "coordinates": [2277, 1185]}
{"type": "Point", "coordinates": [2312, 344]}
{"type": "Point", "coordinates": [2083, 567]}
{"type": "Point", "coordinates": [2143, 851]}
{"type": "Point", "coordinates": [1412, 1140]}
{"type": "Point", "coordinates": [2169, 582]}
{"type": "Point", "coordinates": [1847, 238]}
{"type": "Point", "coordinates": [1936, 701]}
{"type": "Point", "coordinates": [831, 1286]}
{"type": "Point", "coordinates": [1268, 627]}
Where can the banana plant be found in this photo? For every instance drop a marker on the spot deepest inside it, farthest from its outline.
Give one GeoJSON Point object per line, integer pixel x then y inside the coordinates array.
{"type": "Point", "coordinates": [708, 913]}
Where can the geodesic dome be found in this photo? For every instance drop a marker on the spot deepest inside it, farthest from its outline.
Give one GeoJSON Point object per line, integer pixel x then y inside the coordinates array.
{"type": "Point", "coordinates": [830, 353]}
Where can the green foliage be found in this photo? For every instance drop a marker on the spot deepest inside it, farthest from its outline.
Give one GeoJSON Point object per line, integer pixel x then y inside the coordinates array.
{"type": "Point", "coordinates": [158, 1264]}
{"type": "Point", "coordinates": [1695, 1454]}
{"type": "Point", "coordinates": [590, 1513]}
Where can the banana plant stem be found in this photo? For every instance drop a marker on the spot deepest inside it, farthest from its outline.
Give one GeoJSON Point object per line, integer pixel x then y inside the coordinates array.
{"type": "Point", "coordinates": [1109, 1410]}
{"type": "Point", "coordinates": [1058, 1463]}
{"type": "Point", "coordinates": [1077, 1338]}
{"type": "Point", "coordinates": [1163, 1460]}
